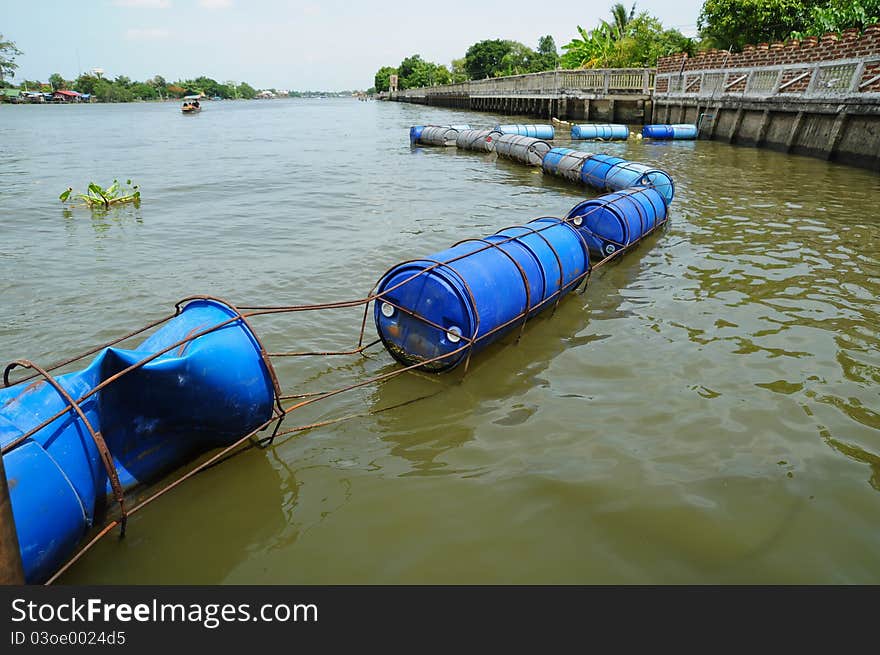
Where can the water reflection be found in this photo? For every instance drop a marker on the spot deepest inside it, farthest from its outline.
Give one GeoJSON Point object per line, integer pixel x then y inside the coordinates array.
{"type": "Point", "coordinates": [197, 533]}
{"type": "Point", "coordinates": [859, 455]}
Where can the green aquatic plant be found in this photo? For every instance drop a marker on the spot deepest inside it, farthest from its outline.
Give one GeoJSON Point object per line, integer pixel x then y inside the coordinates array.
{"type": "Point", "coordinates": [96, 196]}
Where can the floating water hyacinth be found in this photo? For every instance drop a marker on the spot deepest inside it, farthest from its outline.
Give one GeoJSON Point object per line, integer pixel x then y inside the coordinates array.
{"type": "Point", "coordinates": [96, 196]}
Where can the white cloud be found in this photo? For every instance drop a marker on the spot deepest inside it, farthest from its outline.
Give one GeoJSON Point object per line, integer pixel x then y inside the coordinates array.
{"type": "Point", "coordinates": [146, 33]}
{"type": "Point", "coordinates": [311, 10]}
{"type": "Point", "coordinates": [143, 4]}
{"type": "Point", "coordinates": [215, 4]}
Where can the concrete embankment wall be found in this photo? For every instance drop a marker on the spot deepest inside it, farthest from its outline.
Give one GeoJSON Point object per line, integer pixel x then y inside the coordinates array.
{"type": "Point", "coordinates": [818, 97]}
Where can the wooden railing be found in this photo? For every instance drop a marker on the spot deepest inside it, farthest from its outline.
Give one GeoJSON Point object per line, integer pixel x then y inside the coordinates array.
{"type": "Point", "coordinates": [607, 81]}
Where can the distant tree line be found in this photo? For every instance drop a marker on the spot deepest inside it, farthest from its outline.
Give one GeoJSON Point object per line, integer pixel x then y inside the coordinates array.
{"type": "Point", "coordinates": [124, 89]}
{"type": "Point", "coordinates": [638, 39]}
{"type": "Point", "coordinates": [488, 58]}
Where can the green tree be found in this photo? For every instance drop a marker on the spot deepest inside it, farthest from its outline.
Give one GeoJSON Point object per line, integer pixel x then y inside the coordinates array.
{"type": "Point", "coordinates": [736, 23]}
{"type": "Point", "coordinates": [636, 41]}
{"type": "Point", "coordinates": [646, 40]}
{"type": "Point", "coordinates": [8, 53]}
{"type": "Point", "coordinates": [459, 72]}
{"type": "Point", "coordinates": [595, 49]}
{"type": "Point", "coordinates": [382, 77]}
{"type": "Point", "coordinates": [33, 85]}
{"type": "Point", "coordinates": [407, 71]}
{"type": "Point", "coordinates": [159, 85]}
{"type": "Point", "coordinates": [85, 83]}
{"type": "Point", "coordinates": [519, 59]}
{"type": "Point", "coordinates": [414, 72]}
{"type": "Point", "coordinates": [56, 81]}
{"type": "Point", "coordinates": [838, 15]}
{"type": "Point", "coordinates": [107, 91]}
{"type": "Point", "coordinates": [144, 91]}
{"type": "Point", "coordinates": [483, 59]}
{"type": "Point", "coordinates": [246, 91]}
{"type": "Point", "coordinates": [547, 57]}
{"type": "Point", "coordinates": [208, 86]}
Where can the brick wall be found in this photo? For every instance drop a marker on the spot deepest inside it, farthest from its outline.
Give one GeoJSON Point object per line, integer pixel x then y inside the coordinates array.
{"type": "Point", "coordinates": [829, 47]}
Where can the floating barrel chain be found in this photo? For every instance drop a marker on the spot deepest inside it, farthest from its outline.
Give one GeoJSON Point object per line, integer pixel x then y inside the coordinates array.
{"type": "Point", "coordinates": [566, 279]}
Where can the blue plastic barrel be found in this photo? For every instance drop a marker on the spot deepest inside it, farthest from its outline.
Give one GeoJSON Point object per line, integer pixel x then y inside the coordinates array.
{"type": "Point", "coordinates": [609, 173]}
{"type": "Point", "coordinates": [552, 159]}
{"type": "Point", "coordinates": [566, 163]}
{"type": "Point", "coordinates": [677, 131]}
{"type": "Point", "coordinates": [415, 133]}
{"type": "Point", "coordinates": [200, 395]}
{"type": "Point", "coordinates": [607, 131]}
{"type": "Point", "coordinates": [633, 174]}
{"type": "Point", "coordinates": [534, 131]}
{"type": "Point", "coordinates": [684, 131]}
{"type": "Point", "coordinates": [657, 132]}
{"type": "Point", "coordinates": [610, 222]}
{"type": "Point", "coordinates": [596, 169]}
{"type": "Point", "coordinates": [478, 289]}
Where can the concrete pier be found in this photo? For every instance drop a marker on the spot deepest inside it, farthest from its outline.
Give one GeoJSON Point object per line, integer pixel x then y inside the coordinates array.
{"type": "Point", "coordinates": [621, 95]}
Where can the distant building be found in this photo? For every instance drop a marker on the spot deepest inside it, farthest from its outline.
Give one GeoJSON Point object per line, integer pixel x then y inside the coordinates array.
{"type": "Point", "coordinates": [63, 95]}
{"type": "Point", "coordinates": [10, 95]}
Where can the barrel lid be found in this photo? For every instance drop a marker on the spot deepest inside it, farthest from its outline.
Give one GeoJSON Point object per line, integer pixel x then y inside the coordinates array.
{"type": "Point", "coordinates": [437, 295]}
{"type": "Point", "coordinates": [599, 218]}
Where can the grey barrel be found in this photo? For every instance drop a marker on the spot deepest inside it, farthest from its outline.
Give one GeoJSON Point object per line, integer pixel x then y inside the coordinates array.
{"type": "Point", "coordinates": [438, 136]}
{"type": "Point", "coordinates": [479, 140]}
{"type": "Point", "coordinates": [524, 149]}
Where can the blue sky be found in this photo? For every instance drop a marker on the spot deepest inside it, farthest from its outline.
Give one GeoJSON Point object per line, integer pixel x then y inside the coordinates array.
{"type": "Point", "coordinates": [313, 44]}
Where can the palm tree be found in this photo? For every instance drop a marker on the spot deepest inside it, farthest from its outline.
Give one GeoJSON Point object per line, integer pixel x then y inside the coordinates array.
{"type": "Point", "coordinates": [595, 49]}
{"type": "Point", "coordinates": [621, 18]}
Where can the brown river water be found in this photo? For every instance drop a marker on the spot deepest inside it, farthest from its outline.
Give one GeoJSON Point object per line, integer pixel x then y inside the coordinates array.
{"type": "Point", "coordinates": [707, 412]}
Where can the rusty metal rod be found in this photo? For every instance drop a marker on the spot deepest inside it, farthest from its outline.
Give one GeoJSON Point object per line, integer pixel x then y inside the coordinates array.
{"type": "Point", "coordinates": [95, 349]}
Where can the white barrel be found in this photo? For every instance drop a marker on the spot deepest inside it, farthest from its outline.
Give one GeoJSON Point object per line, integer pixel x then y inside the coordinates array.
{"type": "Point", "coordinates": [523, 149]}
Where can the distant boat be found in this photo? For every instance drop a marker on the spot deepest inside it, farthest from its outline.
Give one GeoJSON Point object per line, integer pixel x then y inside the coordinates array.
{"type": "Point", "coordinates": [216, 98]}
{"type": "Point", "coordinates": [191, 105]}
